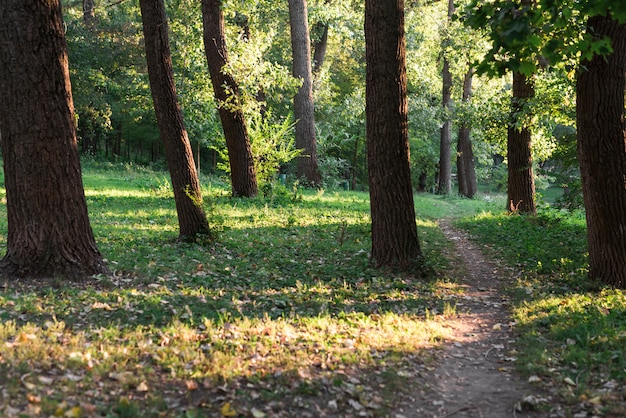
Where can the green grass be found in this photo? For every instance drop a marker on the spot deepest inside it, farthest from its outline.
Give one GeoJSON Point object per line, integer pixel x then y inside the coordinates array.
{"type": "Point", "coordinates": [284, 312]}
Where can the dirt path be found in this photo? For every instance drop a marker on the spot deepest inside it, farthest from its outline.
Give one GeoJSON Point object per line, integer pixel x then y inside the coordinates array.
{"type": "Point", "coordinates": [474, 377]}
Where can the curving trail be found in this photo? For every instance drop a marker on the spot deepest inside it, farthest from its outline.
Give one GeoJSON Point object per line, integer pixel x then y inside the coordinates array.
{"type": "Point", "coordinates": [474, 375]}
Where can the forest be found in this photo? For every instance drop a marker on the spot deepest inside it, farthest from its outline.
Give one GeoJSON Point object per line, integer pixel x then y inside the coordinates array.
{"type": "Point", "coordinates": [307, 208]}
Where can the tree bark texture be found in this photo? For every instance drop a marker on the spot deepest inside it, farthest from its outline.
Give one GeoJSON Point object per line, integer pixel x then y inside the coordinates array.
{"type": "Point", "coordinates": [49, 234]}
{"type": "Point", "coordinates": [226, 90]}
{"type": "Point", "coordinates": [445, 141]}
{"type": "Point", "coordinates": [394, 231]}
{"type": "Point", "coordinates": [191, 217]}
{"type": "Point", "coordinates": [602, 153]}
{"type": "Point", "coordinates": [304, 110]}
{"type": "Point", "coordinates": [466, 168]}
{"type": "Point", "coordinates": [521, 180]}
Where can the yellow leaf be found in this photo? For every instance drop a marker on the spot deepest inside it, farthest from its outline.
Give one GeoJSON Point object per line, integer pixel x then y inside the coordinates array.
{"type": "Point", "coordinates": [258, 414]}
{"type": "Point", "coordinates": [75, 412]}
{"type": "Point", "coordinates": [228, 411]}
{"type": "Point", "coordinates": [143, 387]}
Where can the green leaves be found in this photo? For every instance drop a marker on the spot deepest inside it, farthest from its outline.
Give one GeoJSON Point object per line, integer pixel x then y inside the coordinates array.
{"type": "Point", "coordinates": [528, 36]}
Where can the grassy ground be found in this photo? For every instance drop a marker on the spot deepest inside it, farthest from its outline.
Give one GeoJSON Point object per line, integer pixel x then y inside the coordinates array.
{"type": "Point", "coordinates": [284, 314]}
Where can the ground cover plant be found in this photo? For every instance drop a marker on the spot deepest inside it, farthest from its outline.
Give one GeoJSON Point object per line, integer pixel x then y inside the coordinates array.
{"type": "Point", "coordinates": [282, 316]}
{"type": "Point", "coordinates": [572, 330]}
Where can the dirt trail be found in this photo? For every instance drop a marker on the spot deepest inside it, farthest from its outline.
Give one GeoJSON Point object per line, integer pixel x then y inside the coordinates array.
{"type": "Point", "coordinates": [474, 376]}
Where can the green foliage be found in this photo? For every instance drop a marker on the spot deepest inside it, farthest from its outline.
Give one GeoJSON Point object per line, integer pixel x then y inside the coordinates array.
{"type": "Point", "coordinates": [530, 35]}
{"type": "Point", "coordinates": [273, 145]}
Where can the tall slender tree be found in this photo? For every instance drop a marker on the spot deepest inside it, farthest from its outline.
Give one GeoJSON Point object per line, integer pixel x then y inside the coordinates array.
{"type": "Point", "coordinates": [601, 126]}
{"type": "Point", "coordinates": [466, 168]}
{"type": "Point", "coordinates": [445, 142]}
{"type": "Point", "coordinates": [191, 217]}
{"type": "Point", "coordinates": [226, 90]}
{"type": "Point", "coordinates": [49, 234]}
{"type": "Point", "coordinates": [521, 179]}
{"type": "Point", "coordinates": [394, 231]}
{"type": "Point", "coordinates": [304, 110]}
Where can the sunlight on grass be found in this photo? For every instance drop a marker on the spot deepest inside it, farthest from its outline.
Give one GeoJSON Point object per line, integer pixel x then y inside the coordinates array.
{"type": "Point", "coordinates": [285, 306]}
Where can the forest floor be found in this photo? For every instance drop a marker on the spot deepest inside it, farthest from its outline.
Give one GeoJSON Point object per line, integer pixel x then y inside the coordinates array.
{"type": "Point", "coordinates": [474, 375]}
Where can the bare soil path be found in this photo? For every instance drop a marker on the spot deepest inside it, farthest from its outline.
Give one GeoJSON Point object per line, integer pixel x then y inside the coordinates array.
{"type": "Point", "coordinates": [474, 376]}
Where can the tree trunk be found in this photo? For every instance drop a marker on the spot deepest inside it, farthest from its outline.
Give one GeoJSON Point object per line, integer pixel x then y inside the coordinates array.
{"type": "Point", "coordinates": [226, 90]}
{"type": "Point", "coordinates": [320, 45]}
{"type": "Point", "coordinates": [89, 12]}
{"type": "Point", "coordinates": [394, 231]}
{"type": "Point", "coordinates": [49, 234]}
{"type": "Point", "coordinates": [521, 181]}
{"type": "Point", "coordinates": [466, 169]}
{"type": "Point", "coordinates": [191, 217]}
{"type": "Point", "coordinates": [601, 137]}
{"type": "Point", "coordinates": [307, 166]}
{"type": "Point", "coordinates": [445, 142]}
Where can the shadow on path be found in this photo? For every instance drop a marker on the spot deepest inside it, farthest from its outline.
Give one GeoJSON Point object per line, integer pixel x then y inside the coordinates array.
{"type": "Point", "coordinates": [475, 376]}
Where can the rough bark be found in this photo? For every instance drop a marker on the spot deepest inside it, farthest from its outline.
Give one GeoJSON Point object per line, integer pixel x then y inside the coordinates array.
{"type": "Point", "coordinates": [445, 142]}
{"type": "Point", "coordinates": [521, 180]}
{"type": "Point", "coordinates": [394, 232]}
{"type": "Point", "coordinates": [191, 217]}
{"type": "Point", "coordinates": [49, 234]}
{"type": "Point", "coordinates": [226, 90]}
{"type": "Point", "coordinates": [307, 165]}
{"type": "Point", "coordinates": [602, 153]}
{"type": "Point", "coordinates": [466, 168]}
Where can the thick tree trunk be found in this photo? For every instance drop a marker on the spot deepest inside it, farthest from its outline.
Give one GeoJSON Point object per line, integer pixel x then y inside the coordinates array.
{"type": "Point", "coordinates": [49, 234]}
{"type": "Point", "coordinates": [466, 168]}
{"type": "Point", "coordinates": [601, 138]}
{"type": "Point", "coordinates": [307, 165]}
{"type": "Point", "coordinates": [394, 231]}
{"type": "Point", "coordinates": [191, 217]}
{"type": "Point", "coordinates": [226, 90]}
{"type": "Point", "coordinates": [445, 141]}
{"type": "Point", "coordinates": [521, 180]}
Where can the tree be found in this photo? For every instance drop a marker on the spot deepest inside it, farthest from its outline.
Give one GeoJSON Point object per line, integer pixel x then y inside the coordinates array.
{"type": "Point", "coordinates": [601, 138]}
{"type": "Point", "coordinates": [49, 234]}
{"type": "Point", "coordinates": [445, 144]}
{"type": "Point", "coordinates": [394, 231]}
{"type": "Point", "coordinates": [226, 90]}
{"type": "Point", "coordinates": [89, 11]}
{"type": "Point", "coordinates": [466, 170]}
{"type": "Point", "coordinates": [303, 100]}
{"type": "Point", "coordinates": [191, 217]}
{"type": "Point", "coordinates": [521, 180]}
{"type": "Point", "coordinates": [553, 33]}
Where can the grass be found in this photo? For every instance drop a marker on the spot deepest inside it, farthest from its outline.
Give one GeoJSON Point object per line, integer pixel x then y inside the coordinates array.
{"type": "Point", "coordinates": [284, 314]}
